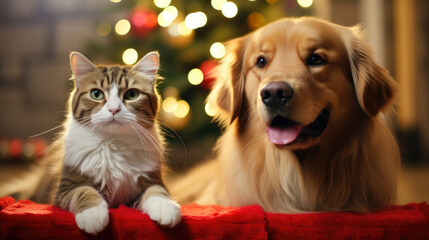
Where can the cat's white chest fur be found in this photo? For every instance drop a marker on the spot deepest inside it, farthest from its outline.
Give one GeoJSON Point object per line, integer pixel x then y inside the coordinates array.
{"type": "Point", "coordinates": [114, 162]}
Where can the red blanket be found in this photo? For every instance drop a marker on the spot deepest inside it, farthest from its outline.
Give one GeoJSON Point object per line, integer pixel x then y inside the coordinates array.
{"type": "Point", "coordinates": [28, 220]}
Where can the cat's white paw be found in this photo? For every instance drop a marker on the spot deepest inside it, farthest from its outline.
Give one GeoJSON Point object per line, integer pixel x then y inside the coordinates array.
{"type": "Point", "coordinates": [162, 210]}
{"type": "Point", "coordinates": [93, 220]}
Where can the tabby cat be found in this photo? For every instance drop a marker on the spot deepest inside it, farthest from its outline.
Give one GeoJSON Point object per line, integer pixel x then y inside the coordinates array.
{"type": "Point", "coordinates": [113, 150]}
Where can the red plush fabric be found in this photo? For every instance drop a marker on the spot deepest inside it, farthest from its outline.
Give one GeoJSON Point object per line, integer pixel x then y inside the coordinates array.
{"type": "Point", "coordinates": [28, 220]}
{"type": "Point", "coordinates": [397, 222]}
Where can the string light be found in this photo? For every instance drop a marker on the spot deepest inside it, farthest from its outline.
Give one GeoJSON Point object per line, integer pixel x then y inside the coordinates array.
{"type": "Point", "coordinates": [255, 20]}
{"type": "Point", "coordinates": [169, 104]}
{"type": "Point", "coordinates": [182, 109]}
{"type": "Point", "coordinates": [104, 29]}
{"type": "Point", "coordinates": [217, 4]}
{"type": "Point", "coordinates": [209, 110]}
{"type": "Point", "coordinates": [217, 50]}
{"type": "Point", "coordinates": [196, 20]}
{"type": "Point", "coordinates": [229, 9]}
{"type": "Point", "coordinates": [195, 76]}
{"type": "Point", "coordinates": [130, 56]}
{"type": "Point", "coordinates": [172, 10]}
{"type": "Point", "coordinates": [122, 27]}
{"type": "Point", "coordinates": [183, 29]}
{"type": "Point", "coordinates": [162, 3]}
{"type": "Point", "coordinates": [173, 30]}
{"type": "Point", "coordinates": [165, 19]}
{"type": "Point", "coordinates": [305, 3]}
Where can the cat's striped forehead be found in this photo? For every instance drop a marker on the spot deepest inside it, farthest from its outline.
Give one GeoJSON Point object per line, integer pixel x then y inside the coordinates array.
{"type": "Point", "coordinates": [122, 76]}
{"type": "Point", "coordinates": [116, 74]}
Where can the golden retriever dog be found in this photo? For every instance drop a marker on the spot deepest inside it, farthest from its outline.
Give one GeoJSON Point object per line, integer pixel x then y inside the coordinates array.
{"type": "Point", "coordinates": [302, 101]}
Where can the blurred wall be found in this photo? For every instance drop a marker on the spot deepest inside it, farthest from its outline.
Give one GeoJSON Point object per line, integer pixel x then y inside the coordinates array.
{"type": "Point", "coordinates": [36, 37]}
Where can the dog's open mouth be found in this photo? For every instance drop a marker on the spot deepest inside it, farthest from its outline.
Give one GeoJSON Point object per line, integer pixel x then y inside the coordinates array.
{"type": "Point", "coordinates": [283, 131]}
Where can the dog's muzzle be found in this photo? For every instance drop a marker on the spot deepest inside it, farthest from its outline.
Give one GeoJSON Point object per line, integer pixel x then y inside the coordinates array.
{"type": "Point", "coordinates": [281, 130]}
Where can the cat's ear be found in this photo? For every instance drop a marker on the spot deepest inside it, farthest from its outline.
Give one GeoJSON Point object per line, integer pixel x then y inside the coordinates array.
{"type": "Point", "coordinates": [80, 65]}
{"type": "Point", "coordinates": [148, 65]}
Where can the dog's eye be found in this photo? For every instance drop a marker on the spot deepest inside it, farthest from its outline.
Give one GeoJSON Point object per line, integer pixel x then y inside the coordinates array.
{"type": "Point", "coordinates": [261, 62]}
{"type": "Point", "coordinates": [315, 60]}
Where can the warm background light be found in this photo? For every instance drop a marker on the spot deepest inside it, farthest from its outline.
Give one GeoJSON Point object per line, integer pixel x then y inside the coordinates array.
{"type": "Point", "coordinates": [182, 109]}
{"type": "Point", "coordinates": [162, 3]}
{"type": "Point", "coordinates": [195, 76]}
{"type": "Point", "coordinates": [255, 20]}
{"type": "Point", "coordinates": [122, 27]}
{"type": "Point", "coordinates": [165, 19]}
{"type": "Point", "coordinates": [172, 10]}
{"type": "Point", "coordinates": [196, 20]}
{"type": "Point", "coordinates": [130, 56]}
{"type": "Point", "coordinates": [209, 110]}
{"type": "Point", "coordinates": [217, 50]}
{"type": "Point", "coordinates": [305, 3]}
{"type": "Point", "coordinates": [183, 29]}
{"type": "Point", "coordinates": [217, 4]}
{"type": "Point", "coordinates": [169, 104]}
{"type": "Point", "coordinates": [229, 9]}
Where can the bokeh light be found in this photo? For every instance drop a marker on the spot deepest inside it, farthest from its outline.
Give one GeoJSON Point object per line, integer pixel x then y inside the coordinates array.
{"type": "Point", "coordinates": [173, 30]}
{"type": "Point", "coordinates": [255, 20]}
{"type": "Point", "coordinates": [209, 110]}
{"type": "Point", "coordinates": [169, 104]}
{"type": "Point", "coordinates": [182, 109]}
{"type": "Point", "coordinates": [165, 19]}
{"type": "Point", "coordinates": [104, 29]}
{"type": "Point", "coordinates": [217, 50]}
{"type": "Point", "coordinates": [217, 4]}
{"type": "Point", "coordinates": [305, 3]}
{"type": "Point", "coordinates": [183, 29]}
{"type": "Point", "coordinates": [115, 1]}
{"type": "Point", "coordinates": [162, 3]}
{"type": "Point", "coordinates": [229, 9]}
{"type": "Point", "coordinates": [196, 20]}
{"type": "Point", "coordinates": [172, 10]}
{"type": "Point", "coordinates": [122, 27]}
{"type": "Point", "coordinates": [130, 56]}
{"type": "Point", "coordinates": [195, 76]}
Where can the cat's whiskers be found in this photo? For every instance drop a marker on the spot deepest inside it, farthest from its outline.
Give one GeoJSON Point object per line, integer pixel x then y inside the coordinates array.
{"type": "Point", "coordinates": [145, 133]}
{"type": "Point", "coordinates": [140, 137]}
{"type": "Point", "coordinates": [50, 130]}
{"type": "Point", "coordinates": [170, 131]}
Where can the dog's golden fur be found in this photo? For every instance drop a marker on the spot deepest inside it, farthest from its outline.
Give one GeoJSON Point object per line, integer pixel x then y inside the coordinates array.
{"type": "Point", "coordinates": [352, 165]}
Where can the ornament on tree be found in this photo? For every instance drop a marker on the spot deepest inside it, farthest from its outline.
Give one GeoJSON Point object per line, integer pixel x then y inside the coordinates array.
{"type": "Point", "coordinates": [15, 148]}
{"type": "Point", "coordinates": [143, 21]}
{"type": "Point", "coordinates": [20, 150]}
{"type": "Point", "coordinates": [207, 67]}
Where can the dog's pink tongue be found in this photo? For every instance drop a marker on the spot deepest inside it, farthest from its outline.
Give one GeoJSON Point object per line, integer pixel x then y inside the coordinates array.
{"type": "Point", "coordinates": [283, 136]}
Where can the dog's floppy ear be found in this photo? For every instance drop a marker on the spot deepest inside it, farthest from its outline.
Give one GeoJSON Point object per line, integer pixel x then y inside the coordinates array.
{"type": "Point", "coordinates": [228, 92]}
{"type": "Point", "coordinates": [374, 87]}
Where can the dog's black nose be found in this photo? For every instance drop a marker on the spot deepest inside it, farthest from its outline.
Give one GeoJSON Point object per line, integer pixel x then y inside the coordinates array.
{"type": "Point", "coordinates": [276, 94]}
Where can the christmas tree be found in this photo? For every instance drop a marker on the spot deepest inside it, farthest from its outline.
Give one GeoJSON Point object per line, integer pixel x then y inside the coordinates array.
{"type": "Point", "coordinates": [189, 35]}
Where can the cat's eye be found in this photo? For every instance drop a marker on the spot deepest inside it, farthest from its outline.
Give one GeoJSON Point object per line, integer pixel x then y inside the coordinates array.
{"type": "Point", "coordinates": [131, 94]}
{"type": "Point", "coordinates": [97, 94]}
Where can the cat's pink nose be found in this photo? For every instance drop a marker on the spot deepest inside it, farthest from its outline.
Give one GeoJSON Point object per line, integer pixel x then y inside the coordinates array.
{"type": "Point", "coordinates": [114, 111]}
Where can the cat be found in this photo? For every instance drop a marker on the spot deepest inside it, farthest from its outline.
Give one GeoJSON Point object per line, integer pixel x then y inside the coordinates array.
{"type": "Point", "coordinates": [112, 148]}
